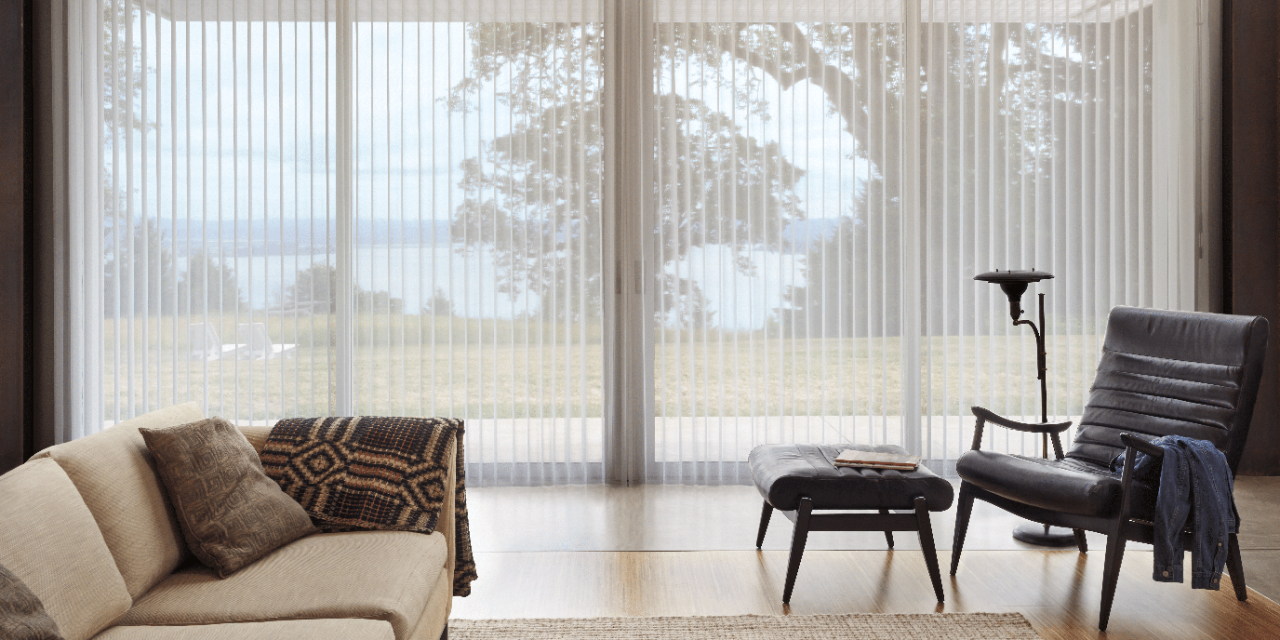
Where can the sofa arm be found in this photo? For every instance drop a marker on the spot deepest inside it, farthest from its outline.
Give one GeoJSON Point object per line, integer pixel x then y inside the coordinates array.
{"type": "Point", "coordinates": [446, 524]}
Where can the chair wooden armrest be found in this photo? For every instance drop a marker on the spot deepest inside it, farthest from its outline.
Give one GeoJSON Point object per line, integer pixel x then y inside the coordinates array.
{"type": "Point", "coordinates": [986, 415]}
{"type": "Point", "coordinates": [1132, 445]}
{"type": "Point", "coordinates": [1051, 429]}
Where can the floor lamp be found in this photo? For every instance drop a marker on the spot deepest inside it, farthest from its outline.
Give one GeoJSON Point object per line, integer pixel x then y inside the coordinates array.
{"type": "Point", "coordinates": [1014, 284]}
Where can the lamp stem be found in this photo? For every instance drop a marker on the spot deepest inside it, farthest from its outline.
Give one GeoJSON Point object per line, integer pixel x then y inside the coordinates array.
{"type": "Point", "coordinates": [1041, 356]}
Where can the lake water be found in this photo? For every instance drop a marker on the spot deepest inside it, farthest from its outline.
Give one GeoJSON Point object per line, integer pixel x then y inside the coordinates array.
{"type": "Point", "coordinates": [468, 280]}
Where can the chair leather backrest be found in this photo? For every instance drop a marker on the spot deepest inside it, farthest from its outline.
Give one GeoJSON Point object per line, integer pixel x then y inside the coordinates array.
{"type": "Point", "coordinates": [1173, 373]}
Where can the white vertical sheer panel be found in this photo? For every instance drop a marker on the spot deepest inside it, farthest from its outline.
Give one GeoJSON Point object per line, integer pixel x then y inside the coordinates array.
{"type": "Point", "coordinates": [821, 213]}
{"type": "Point", "coordinates": [477, 249]}
{"type": "Point", "coordinates": [1037, 116]}
{"type": "Point", "coordinates": [317, 207]}
{"type": "Point", "coordinates": [77, 181]}
{"type": "Point", "coordinates": [778, 256]}
{"type": "Point", "coordinates": [217, 213]}
{"type": "Point", "coordinates": [364, 208]}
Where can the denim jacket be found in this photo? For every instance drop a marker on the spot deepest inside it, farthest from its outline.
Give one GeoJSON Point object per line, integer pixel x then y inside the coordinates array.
{"type": "Point", "coordinates": [1195, 482]}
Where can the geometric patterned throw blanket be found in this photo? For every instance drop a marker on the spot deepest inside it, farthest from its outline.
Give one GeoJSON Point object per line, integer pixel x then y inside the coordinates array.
{"type": "Point", "coordinates": [374, 473]}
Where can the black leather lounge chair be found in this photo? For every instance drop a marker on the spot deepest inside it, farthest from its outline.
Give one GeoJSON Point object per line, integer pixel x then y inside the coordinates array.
{"type": "Point", "coordinates": [1161, 373]}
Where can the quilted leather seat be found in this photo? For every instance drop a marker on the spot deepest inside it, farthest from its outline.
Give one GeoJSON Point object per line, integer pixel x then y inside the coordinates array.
{"type": "Point", "coordinates": [784, 473]}
{"type": "Point", "coordinates": [1161, 373]}
{"type": "Point", "coordinates": [1069, 485]}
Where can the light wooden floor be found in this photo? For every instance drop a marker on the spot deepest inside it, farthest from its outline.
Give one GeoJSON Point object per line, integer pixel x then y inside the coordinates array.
{"type": "Point", "coordinates": [609, 551]}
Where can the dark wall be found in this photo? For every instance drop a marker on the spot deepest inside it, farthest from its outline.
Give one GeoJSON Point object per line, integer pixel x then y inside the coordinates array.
{"type": "Point", "coordinates": [1251, 193]}
{"type": "Point", "coordinates": [14, 179]}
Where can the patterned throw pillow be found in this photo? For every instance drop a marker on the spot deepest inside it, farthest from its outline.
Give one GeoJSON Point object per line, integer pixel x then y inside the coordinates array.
{"type": "Point", "coordinates": [231, 513]}
{"type": "Point", "coordinates": [22, 616]}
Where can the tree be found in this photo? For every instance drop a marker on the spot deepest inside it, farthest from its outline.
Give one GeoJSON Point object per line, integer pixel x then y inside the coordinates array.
{"type": "Point", "coordinates": [138, 274]}
{"type": "Point", "coordinates": [544, 72]}
{"type": "Point", "coordinates": [316, 287]}
{"type": "Point", "coordinates": [1029, 81]}
{"type": "Point", "coordinates": [839, 297]}
{"type": "Point", "coordinates": [122, 74]}
{"type": "Point", "coordinates": [533, 207]}
{"type": "Point", "coordinates": [438, 305]}
{"type": "Point", "coordinates": [208, 286]}
{"type": "Point", "coordinates": [531, 196]}
{"type": "Point", "coordinates": [122, 71]}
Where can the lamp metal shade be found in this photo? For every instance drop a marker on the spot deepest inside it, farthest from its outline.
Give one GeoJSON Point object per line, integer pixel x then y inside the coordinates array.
{"type": "Point", "coordinates": [1014, 284]}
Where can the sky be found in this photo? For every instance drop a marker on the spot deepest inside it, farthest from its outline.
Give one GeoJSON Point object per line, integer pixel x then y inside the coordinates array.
{"type": "Point", "coordinates": [243, 119]}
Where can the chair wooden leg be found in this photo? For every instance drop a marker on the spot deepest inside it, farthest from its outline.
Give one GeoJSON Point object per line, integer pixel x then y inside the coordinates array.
{"type": "Point", "coordinates": [798, 538]}
{"type": "Point", "coordinates": [1236, 568]}
{"type": "Point", "coordinates": [964, 505]}
{"type": "Point", "coordinates": [1110, 575]}
{"type": "Point", "coordinates": [925, 531]}
{"type": "Point", "coordinates": [1082, 543]}
{"type": "Point", "coordinates": [764, 523]}
{"type": "Point", "coordinates": [888, 535]}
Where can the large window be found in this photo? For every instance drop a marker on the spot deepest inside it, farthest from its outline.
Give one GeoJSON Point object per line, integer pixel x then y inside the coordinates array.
{"type": "Point", "coordinates": [496, 210]}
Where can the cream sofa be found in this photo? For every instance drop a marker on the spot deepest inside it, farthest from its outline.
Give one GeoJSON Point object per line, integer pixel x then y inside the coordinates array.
{"type": "Point", "coordinates": [86, 525]}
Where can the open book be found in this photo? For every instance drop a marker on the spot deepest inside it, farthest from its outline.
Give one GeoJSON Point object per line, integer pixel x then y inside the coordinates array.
{"type": "Point", "coordinates": [876, 460]}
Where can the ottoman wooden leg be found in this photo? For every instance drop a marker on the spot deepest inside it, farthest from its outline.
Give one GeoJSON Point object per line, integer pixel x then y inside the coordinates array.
{"type": "Point", "coordinates": [764, 523]}
{"type": "Point", "coordinates": [798, 538]}
{"type": "Point", "coordinates": [888, 535]}
{"type": "Point", "coordinates": [926, 544]}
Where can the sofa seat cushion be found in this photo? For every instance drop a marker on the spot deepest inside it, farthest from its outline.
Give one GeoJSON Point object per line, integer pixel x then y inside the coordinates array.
{"type": "Point", "coordinates": [116, 476]}
{"type": "Point", "coordinates": [49, 541]}
{"type": "Point", "coordinates": [322, 629]}
{"type": "Point", "coordinates": [378, 575]}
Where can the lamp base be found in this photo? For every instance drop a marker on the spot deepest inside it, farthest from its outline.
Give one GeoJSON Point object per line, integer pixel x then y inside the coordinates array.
{"type": "Point", "coordinates": [1044, 535]}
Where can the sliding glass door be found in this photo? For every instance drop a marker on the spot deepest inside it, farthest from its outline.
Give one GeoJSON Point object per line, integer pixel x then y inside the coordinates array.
{"type": "Point", "coordinates": [779, 254]}
{"type": "Point", "coordinates": [503, 210]}
{"type": "Point", "coordinates": [361, 208]}
{"type": "Point", "coordinates": [477, 171]}
{"type": "Point", "coordinates": [830, 176]}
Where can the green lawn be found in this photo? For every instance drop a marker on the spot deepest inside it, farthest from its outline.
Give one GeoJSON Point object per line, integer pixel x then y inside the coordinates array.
{"type": "Point", "coordinates": [492, 368]}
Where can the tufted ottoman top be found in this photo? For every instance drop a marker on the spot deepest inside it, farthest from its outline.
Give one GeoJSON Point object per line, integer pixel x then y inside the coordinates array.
{"type": "Point", "coordinates": [784, 472]}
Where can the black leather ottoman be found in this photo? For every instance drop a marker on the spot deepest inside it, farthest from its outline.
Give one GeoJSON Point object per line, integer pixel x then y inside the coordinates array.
{"type": "Point", "coordinates": [799, 479]}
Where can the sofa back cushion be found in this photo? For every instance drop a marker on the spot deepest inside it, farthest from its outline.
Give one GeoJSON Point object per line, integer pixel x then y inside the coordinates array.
{"type": "Point", "coordinates": [116, 476]}
{"type": "Point", "coordinates": [231, 513]}
{"type": "Point", "coordinates": [49, 541]}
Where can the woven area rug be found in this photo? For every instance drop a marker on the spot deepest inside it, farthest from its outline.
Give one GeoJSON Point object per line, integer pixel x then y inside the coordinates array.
{"type": "Point", "coordinates": [884, 626]}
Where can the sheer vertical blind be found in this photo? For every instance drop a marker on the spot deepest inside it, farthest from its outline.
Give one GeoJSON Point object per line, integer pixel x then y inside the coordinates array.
{"type": "Point", "coordinates": [491, 209]}
{"type": "Point", "coordinates": [1036, 151]}
{"type": "Point", "coordinates": [360, 208]}
{"type": "Point", "coordinates": [779, 215]}
{"type": "Point", "coordinates": [477, 219]}
{"type": "Point", "coordinates": [830, 176]}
